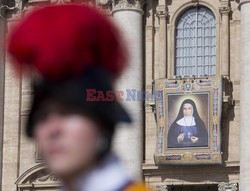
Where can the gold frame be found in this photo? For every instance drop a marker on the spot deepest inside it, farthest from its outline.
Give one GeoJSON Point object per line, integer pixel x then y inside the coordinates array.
{"type": "Point", "coordinates": [191, 155]}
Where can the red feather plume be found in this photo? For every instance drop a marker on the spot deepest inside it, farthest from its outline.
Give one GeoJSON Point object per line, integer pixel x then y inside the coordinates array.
{"type": "Point", "coordinates": [62, 41]}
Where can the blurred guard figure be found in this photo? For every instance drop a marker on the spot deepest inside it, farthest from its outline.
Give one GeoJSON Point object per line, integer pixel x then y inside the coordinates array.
{"type": "Point", "coordinates": [74, 49]}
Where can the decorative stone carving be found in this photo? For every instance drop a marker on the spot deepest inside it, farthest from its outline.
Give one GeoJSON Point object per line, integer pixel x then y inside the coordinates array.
{"type": "Point", "coordinates": [161, 12]}
{"type": "Point", "coordinates": [228, 186]}
{"type": "Point", "coordinates": [10, 6]}
{"type": "Point", "coordinates": [123, 4]}
{"type": "Point", "coordinates": [225, 10]}
{"type": "Point", "coordinates": [196, 2]}
{"type": "Point", "coordinates": [10, 3]}
{"type": "Point", "coordinates": [39, 177]}
{"type": "Point", "coordinates": [102, 2]}
{"type": "Point", "coordinates": [46, 178]}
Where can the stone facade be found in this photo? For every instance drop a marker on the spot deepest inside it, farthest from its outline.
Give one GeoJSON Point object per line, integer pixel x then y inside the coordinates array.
{"type": "Point", "coordinates": [159, 63]}
{"type": "Point", "coordinates": [149, 27]}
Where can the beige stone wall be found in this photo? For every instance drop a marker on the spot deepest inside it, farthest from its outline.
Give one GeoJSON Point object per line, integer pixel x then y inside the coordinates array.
{"type": "Point", "coordinates": [19, 161]}
{"type": "Point", "coordinates": [229, 171]}
{"type": "Point", "coordinates": [19, 152]}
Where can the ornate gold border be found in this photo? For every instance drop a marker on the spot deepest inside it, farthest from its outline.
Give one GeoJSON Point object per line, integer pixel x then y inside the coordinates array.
{"type": "Point", "coordinates": [210, 155]}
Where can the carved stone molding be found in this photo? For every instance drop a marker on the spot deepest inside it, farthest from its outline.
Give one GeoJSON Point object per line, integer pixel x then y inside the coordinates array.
{"type": "Point", "coordinates": [228, 186]}
{"type": "Point", "coordinates": [161, 12]}
{"type": "Point", "coordinates": [13, 6]}
{"type": "Point", "coordinates": [37, 177]}
{"type": "Point", "coordinates": [225, 10]}
{"type": "Point", "coordinates": [104, 4]}
{"type": "Point", "coordinates": [43, 178]}
{"type": "Point", "coordinates": [126, 4]}
{"type": "Point", "coordinates": [10, 3]}
{"type": "Point", "coordinates": [195, 2]}
{"type": "Point", "coordinates": [242, 2]}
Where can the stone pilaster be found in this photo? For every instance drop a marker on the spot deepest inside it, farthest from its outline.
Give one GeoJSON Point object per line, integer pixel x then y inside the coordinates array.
{"type": "Point", "coordinates": [227, 187]}
{"type": "Point", "coordinates": [11, 132]}
{"type": "Point", "coordinates": [162, 14]}
{"type": "Point", "coordinates": [9, 105]}
{"type": "Point", "coordinates": [129, 141]}
{"type": "Point", "coordinates": [225, 11]}
{"type": "Point", "coordinates": [2, 74]}
{"type": "Point", "coordinates": [244, 96]}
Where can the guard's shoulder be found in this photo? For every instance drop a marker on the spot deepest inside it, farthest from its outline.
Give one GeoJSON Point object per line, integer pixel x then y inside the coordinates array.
{"type": "Point", "coordinates": [136, 187]}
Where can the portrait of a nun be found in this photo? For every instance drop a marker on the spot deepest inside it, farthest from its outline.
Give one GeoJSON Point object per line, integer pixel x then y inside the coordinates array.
{"type": "Point", "coordinates": [188, 129]}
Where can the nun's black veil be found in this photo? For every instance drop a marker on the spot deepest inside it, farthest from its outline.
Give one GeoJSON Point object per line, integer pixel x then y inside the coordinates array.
{"type": "Point", "coordinates": [197, 118]}
{"type": "Point", "coordinates": [174, 131]}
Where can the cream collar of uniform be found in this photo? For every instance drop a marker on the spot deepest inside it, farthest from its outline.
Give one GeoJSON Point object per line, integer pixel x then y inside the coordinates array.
{"type": "Point", "coordinates": [110, 175]}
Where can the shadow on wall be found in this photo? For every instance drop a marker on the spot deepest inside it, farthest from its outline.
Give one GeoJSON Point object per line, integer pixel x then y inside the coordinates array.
{"type": "Point", "coordinates": [228, 115]}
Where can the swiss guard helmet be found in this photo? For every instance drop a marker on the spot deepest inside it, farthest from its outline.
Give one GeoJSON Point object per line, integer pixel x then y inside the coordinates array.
{"type": "Point", "coordinates": [73, 48]}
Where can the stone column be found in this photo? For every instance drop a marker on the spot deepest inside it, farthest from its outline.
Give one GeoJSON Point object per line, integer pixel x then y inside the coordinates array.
{"type": "Point", "coordinates": [161, 70]}
{"type": "Point", "coordinates": [244, 96]}
{"type": "Point", "coordinates": [129, 139]}
{"type": "Point", "coordinates": [2, 74]}
{"type": "Point", "coordinates": [225, 10]}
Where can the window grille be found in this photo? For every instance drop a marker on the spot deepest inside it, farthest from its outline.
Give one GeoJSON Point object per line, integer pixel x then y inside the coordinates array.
{"type": "Point", "coordinates": [196, 43]}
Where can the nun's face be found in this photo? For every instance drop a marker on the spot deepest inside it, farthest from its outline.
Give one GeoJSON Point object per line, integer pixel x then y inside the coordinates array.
{"type": "Point", "coordinates": [187, 109]}
{"type": "Point", "coordinates": [68, 143]}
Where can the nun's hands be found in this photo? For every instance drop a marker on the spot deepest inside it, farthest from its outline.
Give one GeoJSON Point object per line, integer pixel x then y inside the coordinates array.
{"type": "Point", "coordinates": [194, 139]}
{"type": "Point", "coordinates": [181, 137]}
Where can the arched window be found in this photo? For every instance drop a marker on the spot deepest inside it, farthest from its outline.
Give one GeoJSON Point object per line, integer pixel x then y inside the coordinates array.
{"type": "Point", "coordinates": [196, 43]}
